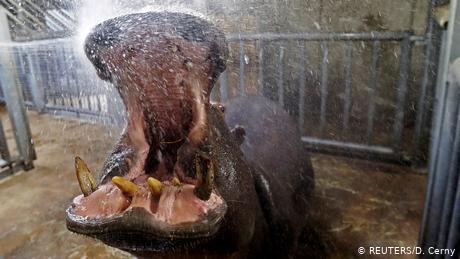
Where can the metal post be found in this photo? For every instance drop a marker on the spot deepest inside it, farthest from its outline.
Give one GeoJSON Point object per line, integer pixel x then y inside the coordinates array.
{"type": "Point", "coordinates": [404, 72]}
{"type": "Point", "coordinates": [14, 100]}
{"type": "Point", "coordinates": [302, 89]}
{"type": "Point", "coordinates": [223, 86]}
{"type": "Point", "coordinates": [441, 221]}
{"type": "Point", "coordinates": [17, 112]}
{"type": "Point", "coordinates": [242, 69]}
{"type": "Point", "coordinates": [33, 77]}
{"type": "Point", "coordinates": [347, 97]}
{"type": "Point", "coordinates": [281, 76]}
{"type": "Point", "coordinates": [373, 90]}
{"type": "Point", "coordinates": [433, 35]}
{"type": "Point", "coordinates": [4, 151]}
{"type": "Point", "coordinates": [261, 67]}
{"type": "Point", "coordinates": [324, 86]}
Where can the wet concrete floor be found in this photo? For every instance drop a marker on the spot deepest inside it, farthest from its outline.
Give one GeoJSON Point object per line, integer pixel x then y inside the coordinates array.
{"type": "Point", "coordinates": [356, 203]}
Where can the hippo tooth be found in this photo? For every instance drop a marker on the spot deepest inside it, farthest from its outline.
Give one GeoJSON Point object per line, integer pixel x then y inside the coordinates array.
{"type": "Point", "coordinates": [175, 181]}
{"type": "Point", "coordinates": [126, 186]}
{"type": "Point", "coordinates": [155, 185]}
{"type": "Point", "coordinates": [85, 178]}
{"type": "Point", "coordinates": [205, 179]}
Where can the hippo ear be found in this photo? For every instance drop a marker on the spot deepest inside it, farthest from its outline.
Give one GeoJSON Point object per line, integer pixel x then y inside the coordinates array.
{"type": "Point", "coordinates": [239, 133]}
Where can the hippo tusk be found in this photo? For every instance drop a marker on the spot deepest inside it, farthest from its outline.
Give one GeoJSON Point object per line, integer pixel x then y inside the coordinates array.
{"type": "Point", "coordinates": [175, 181]}
{"type": "Point", "coordinates": [205, 179]}
{"type": "Point", "coordinates": [85, 178]}
{"type": "Point", "coordinates": [155, 186]}
{"type": "Point", "coordinates": [126, 186]}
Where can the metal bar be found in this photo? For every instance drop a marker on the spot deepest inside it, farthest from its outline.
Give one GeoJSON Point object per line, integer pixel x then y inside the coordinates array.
{"type": "Point", "coordinates": [438, 191]}
{"type": "Point", "coordinates": [421, 103]}
{"type": "Point", "coordinates": [347, 95]}
{"type": "Point", "coordinates": [431, 60]}
{"type": "Point", "coordinates": [369, 152]}
{"type": "Point", "coordinates": [64, 63]}
{"type": "Point", "coordinates": [242, 69]}
{"type": "Point", "coordinates": [17, 112]}
{"type": "Point", "coordinates": [27, 13]}
{"type": "Point", "coordinates": [261, 67]}
{"type": "Point", "coordinates": [453, 239]}
{"type": "Point", "coordinates": [4, 151]}
{"type": "Point", "coordinates": [373, 87]}
{"type": "Point", "coordinates": [339, 144]}
{"type": "Point", "coordinates": [15, 19]}
{"type": "Point", "coordinates": [281, 76]}
{"type": "Point", "coordinates": [49, 91]}
{"type": "Point", "coordinates": [404, 73]}
{"type": "Point", "coordinates": [48, 14]}
{"type": "Point", "coordinates": [302, 89]}
{"type": "Point", "coordinates": [72, 110]}
{"type": "Point", "coordinates": [36, 91]}
{"type": "Point", "coordinates": [324, 86]}
{"type": "Point", "coordinates": [18, 53]}
{"type": "Point", "coordinates": [451, 184]}
{"type": "Point", "coordinates": [223, 86]}
{"type": "Point", "coordinates": [440, 133]}
{"type": "Point", "coordinates": [70, 66]}
{"type": "Point", "coordinates": [323, 36]}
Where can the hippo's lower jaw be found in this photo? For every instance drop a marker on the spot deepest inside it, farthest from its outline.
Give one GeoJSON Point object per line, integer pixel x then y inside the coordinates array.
{"type": "Point", "coordinates": [137, 230]}
{"type": "Point", "coordinates": [137, 216]}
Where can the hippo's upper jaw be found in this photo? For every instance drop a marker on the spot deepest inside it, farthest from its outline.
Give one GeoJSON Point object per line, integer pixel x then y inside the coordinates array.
{"type": "Point", "coordinates": [163, 186]}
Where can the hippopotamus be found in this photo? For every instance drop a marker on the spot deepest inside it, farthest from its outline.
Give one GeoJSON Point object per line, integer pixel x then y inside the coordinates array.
{"type": "Point", "coordinates": [177, 184]}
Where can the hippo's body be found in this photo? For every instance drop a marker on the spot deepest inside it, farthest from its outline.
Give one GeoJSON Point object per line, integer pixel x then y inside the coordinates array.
{"type": "Point", "coordinates": [177, 184]}
{"type": "Point", "coordinates": [283, 174]}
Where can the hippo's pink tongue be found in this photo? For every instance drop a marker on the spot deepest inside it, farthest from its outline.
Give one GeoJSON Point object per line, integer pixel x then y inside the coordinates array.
{"type": "Point", "coordinates": [174, 205]}
{"type": "Point", "coordinates": [179, 204]}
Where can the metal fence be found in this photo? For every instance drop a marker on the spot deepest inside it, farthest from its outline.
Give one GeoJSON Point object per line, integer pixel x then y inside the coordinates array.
{"type": "Point", "coordinates": [56, 81]}
{"type": "Point", "coordinates": [334, 131]}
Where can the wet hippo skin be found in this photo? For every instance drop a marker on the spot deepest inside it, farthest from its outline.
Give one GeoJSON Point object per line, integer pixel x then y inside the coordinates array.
{"type": "Point", "coordinates": [176, 184]}
{"type": "Point", "coordinates": [283, 174]}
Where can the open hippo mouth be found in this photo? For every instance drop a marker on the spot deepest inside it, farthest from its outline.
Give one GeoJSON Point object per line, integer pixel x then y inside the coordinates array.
{"type": "Point", "coordinates": [168, 210]}
{"type": "Point", "coordinates": [156, 190]}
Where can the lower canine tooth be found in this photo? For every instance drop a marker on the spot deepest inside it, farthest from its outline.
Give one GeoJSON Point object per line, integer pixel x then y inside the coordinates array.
{"type": "Point", "coordinates": [155, 185]}
{"type": "Point", "coordinates": [126, 186]}
{"type": "Point", "coordinates": [175, 181]}
{"type": "Point", "coordinates": [85, 178]}
{"type": "Point", "coordinates": [203, 188]}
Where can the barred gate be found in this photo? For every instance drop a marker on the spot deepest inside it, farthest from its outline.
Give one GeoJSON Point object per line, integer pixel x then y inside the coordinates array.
{"type": "Point", "coordinates": [360, 141]}
{"type": "Point", "coordinates": [56, 79]}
